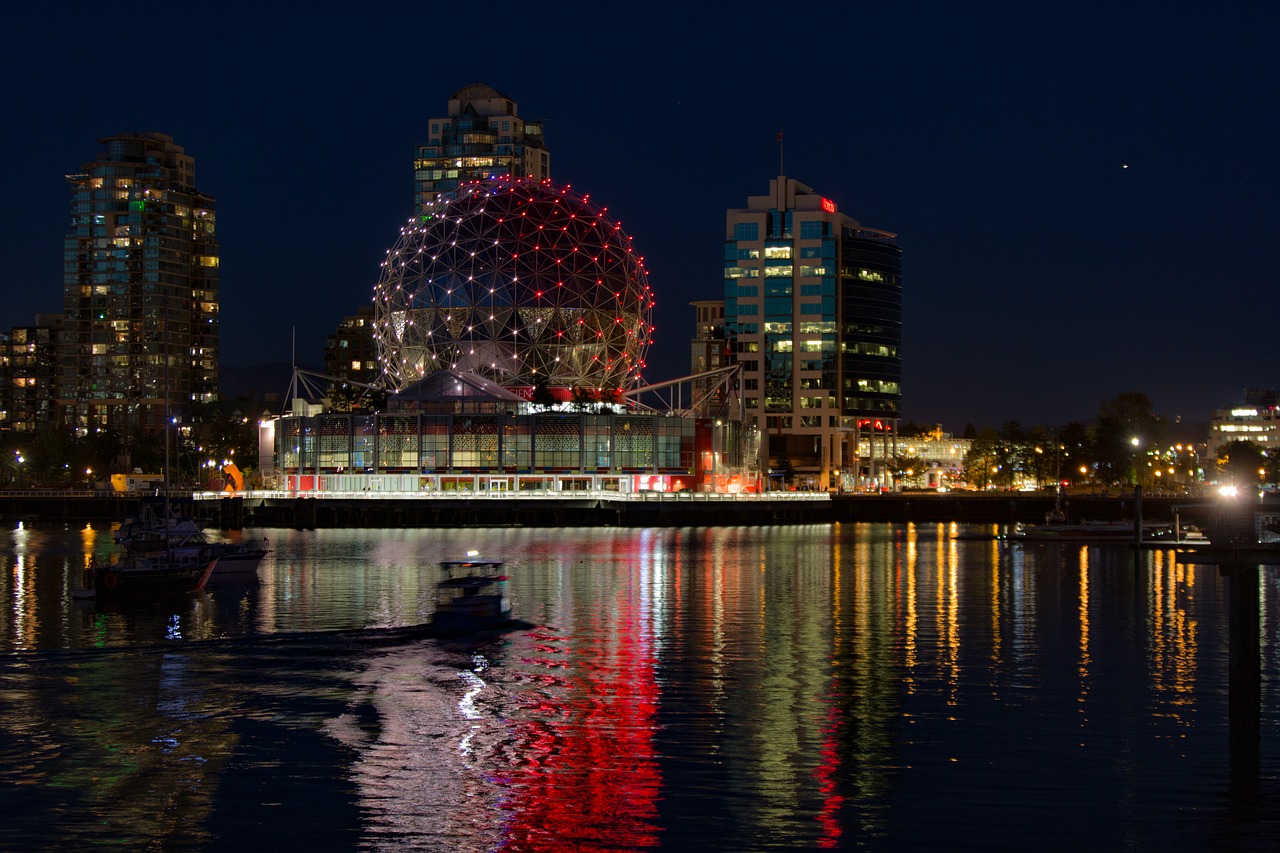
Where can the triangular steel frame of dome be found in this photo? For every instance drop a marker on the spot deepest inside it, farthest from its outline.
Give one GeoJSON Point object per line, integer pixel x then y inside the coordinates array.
{"type": "Point", "coordinates": [454, 384]}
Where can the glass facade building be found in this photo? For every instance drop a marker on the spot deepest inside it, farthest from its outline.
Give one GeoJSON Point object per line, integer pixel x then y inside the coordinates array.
{"type": "Point", "coordinates": [457, 431]}
{"type": "Point", "coordinates": [484, 447]}
{"type": "Point", "coordinates": [140, 288]}
{"type": "Point", "coordinates": [481, 137]}
{"type": "Point", "coordinates": [813, 313]}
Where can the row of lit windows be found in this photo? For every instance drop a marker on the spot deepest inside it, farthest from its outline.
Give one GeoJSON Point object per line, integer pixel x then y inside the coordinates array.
{"type": "Point", "coordinates": [803, 346]}
{"type": "Point", "coordinates": [1246, 427]}
{"type": "Point", "coordinates": [868, 348]}
{"type": "Point", "coordinates": [869, 275]}
{"type": "Point", "coordinates": [874, 386]}
{"type": "Point", "coordinates": [806, 271]}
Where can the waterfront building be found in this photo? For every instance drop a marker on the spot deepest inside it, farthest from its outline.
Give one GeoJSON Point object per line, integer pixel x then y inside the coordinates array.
{"type": "Point", "coordinates": [28, 360]}
{"type": "Point", "coordinates": [140, 288]}
{"type": "Point", "coordinates": [483, 136]}
{"type": "Point", "coordinates": [460, 432]}
{"type": "Point", "coordinates": [1257, 419]}
{"type": "Point", "coordinates": [942, 455]}
{"type": "Point", "coordinates": [813, 313]}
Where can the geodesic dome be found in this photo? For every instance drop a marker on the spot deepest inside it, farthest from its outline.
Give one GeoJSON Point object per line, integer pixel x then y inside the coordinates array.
{"type": "Point", "coordinates": [518, 280]}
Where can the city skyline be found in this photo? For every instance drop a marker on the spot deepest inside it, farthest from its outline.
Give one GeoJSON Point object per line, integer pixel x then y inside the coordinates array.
{"type": "Point", "coordinates": [1081, 195]}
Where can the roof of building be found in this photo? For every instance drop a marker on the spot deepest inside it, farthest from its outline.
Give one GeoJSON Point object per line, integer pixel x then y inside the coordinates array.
{"type": "Point", "coordinates": [477, 92]}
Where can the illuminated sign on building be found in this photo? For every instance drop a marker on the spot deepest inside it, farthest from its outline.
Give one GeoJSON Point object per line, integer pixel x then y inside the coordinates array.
{"type": "Point", "coordinates": [828, 205]}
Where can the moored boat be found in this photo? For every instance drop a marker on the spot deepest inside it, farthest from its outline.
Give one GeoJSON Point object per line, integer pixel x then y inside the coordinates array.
{"type": "Point", "coordinates": [149, 574]}
{"type": "Point", "coordinates": [232, 558]}
{"type": "Point", "coordinates": [1106, 531]}
{"type": "Point", "coordinates": [172, 533]}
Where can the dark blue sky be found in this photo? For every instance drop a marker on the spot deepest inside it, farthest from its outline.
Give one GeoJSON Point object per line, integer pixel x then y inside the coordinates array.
{"type": "Point", "coordinates": [1041, 275]}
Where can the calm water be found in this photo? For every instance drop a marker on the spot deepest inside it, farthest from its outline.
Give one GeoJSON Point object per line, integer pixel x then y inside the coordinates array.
{"type": "Point", "coordinates": [802, 687]}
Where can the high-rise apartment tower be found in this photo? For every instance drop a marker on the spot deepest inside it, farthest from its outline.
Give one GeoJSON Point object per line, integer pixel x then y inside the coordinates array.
{"type": "Point", "coordinates": [482, 137]}
{"type": "Point", "coordinates": [813, 313]}
{"type": "Point", "coordinates": [140, 288]}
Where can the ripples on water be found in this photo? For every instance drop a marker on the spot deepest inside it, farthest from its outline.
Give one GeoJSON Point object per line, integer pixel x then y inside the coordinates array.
{"type": "Point", "coordinates": [730, 689]}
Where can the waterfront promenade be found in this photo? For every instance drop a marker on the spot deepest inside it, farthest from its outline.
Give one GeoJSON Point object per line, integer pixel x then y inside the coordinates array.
{"type": "Point", "coordinates": [589, 509]}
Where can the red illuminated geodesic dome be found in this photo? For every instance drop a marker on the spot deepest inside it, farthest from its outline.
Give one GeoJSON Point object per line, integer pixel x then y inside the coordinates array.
{"type": "Point", "coordinates": [519, 280]}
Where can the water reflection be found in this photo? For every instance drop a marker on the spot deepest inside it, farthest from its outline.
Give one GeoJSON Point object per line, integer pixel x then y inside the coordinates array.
{"type": "Point", "coordinates": [822, 686]}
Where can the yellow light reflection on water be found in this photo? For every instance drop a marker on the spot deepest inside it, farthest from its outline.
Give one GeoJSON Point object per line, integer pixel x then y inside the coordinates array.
{"type": "Point", "coordinates": [88, 537]}
{"type": "Point", "coordinates": [1174, 635]}
{"type": "Point", "coordinates": [1085, 659]}
{"type": "Point", "coordinates": [997, 636]}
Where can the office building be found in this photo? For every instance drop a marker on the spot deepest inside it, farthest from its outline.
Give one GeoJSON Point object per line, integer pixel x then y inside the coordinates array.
{"type": "Point", "coordinates": [813, 313]}
{"type": "Point", "coordinates": [482, 137]}
{"type": "Point", "coordinates": [140, 289]}
{"type": "Point", "coordinates": [1257, 420]}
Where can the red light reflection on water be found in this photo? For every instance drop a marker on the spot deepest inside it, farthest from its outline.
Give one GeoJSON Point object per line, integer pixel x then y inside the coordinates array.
{"type": "Point", "coordinates": [585, 776]}
{"type": "Point", "coordinates": [826, 773]}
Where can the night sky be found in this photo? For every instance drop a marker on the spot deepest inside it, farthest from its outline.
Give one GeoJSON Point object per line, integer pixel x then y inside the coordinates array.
{"type": "Point", "coordinates": [1086, 196]}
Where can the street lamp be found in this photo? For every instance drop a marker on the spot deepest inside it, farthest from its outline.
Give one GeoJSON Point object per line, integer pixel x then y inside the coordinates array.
{"type": "Point", "coordinates": [1135, 442]}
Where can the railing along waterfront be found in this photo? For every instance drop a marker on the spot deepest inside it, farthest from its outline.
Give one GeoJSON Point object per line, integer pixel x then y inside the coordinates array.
{"type": "Point", "coordinates": [532, 494]}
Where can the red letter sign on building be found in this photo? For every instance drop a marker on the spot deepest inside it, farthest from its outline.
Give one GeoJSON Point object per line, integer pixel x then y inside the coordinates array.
{"type": "Point", "coordinates": [828, 205]}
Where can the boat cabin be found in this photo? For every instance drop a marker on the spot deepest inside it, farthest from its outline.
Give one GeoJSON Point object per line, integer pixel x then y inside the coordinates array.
{"type": "Point", "coordinates": [471, 594]}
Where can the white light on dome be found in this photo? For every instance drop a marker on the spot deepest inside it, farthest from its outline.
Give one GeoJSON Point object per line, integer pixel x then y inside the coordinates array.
{"type": "Point", "coordinates": [566, 302]}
